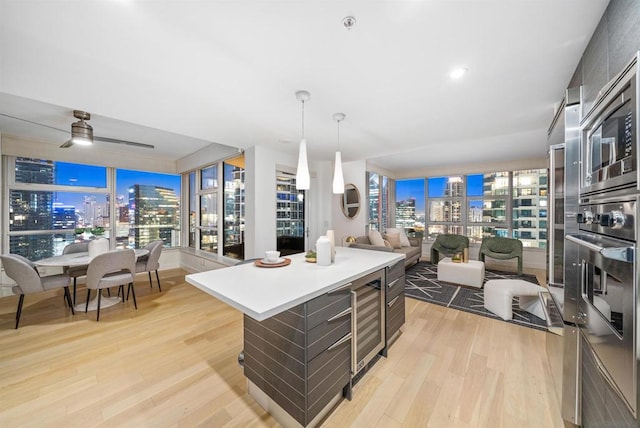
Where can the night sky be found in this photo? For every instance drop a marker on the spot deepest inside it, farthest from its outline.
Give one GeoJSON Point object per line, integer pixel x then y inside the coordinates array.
{"type": "Point", "coordinates": [72, 174]}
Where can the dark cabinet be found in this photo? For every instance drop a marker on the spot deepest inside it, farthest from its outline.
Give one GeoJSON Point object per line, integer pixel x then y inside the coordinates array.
{"type": "Point", "coordinates": [307, 356]}
{"type": "Point", "coordinates": [394, 304]}
{"type": "Point", "coordinates": [614, 43]}
{"type": "Point", "coordinates": [301, 358]}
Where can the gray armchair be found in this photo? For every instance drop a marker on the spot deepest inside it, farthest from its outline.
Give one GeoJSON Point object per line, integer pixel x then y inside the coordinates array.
{"type": "Point", "coordinates": [448, 244]}
{"type": "Point", "coordinates": [150, 261]}
{"type": "Point", "coordinates": [28, 281]}
{"type": "Point", "coordinates": [502, 249]}
{"type": "Point", "coordinates": [111, 269]}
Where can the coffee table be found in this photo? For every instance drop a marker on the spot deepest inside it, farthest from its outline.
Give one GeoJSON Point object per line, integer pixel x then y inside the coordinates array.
{"type": "Point", "coordinates": [470, 273]}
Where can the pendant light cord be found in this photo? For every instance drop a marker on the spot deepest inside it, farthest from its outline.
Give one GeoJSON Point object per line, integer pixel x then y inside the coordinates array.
{"type": "Point", "coordinates": [338, 135]}
{"type": "Point", "coordinates": [302, 119]}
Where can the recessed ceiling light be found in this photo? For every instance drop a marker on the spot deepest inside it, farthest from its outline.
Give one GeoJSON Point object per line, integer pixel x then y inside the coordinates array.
{"type": "Point", "coordinates": [457, 73]}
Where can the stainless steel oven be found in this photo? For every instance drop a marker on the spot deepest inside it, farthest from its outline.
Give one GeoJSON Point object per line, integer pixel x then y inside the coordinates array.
{"type": "Point", "coordinates": [610, 148]}
{"type": "Point", "coordinates": [607, 309]}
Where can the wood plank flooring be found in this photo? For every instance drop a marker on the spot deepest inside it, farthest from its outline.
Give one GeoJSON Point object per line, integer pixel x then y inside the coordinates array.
{"type": "Point", "coordinates": [173, 363]}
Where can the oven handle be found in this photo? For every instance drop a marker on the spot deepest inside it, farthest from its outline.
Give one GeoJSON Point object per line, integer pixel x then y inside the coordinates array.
{"type": "Point", "coordinates": [622, 254]}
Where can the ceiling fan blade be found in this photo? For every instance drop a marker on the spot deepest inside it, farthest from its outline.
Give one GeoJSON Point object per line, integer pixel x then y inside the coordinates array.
{"type": "Point", "coordinates": [128, 143]}
{"type": "Point", "coordinates": [34, 123]}
{"type": "Point", "coordinates": [66, 144]}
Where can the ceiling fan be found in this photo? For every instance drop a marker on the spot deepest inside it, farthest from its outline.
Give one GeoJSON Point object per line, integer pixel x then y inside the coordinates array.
{"type": "Point", "coordinates": [82, 132]}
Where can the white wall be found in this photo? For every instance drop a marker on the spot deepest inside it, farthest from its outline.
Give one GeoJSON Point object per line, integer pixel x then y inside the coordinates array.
{"type": "Point", "coordinates": [260, 209]}
{"type": "Point", "coordinates": [354, 173]}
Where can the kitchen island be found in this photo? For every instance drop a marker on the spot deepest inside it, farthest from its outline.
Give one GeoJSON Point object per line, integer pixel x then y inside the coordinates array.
{"type": "Point", "coordinates": [309, 329]}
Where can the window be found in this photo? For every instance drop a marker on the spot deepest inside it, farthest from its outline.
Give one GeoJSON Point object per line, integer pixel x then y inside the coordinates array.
{"type": "Point", "coordinates": [529, 207]}
{"type": "Point", "coordinates": [378, 198]}
{"type": "Point", "coordinates": [192, 209]}
{"type": "Point", "coordinates": [152, 201]}
{"type": "Point", "coordinates": [209, 209]}
{"type": "Point", "coordinates": [410, 214]}
{"type": "Point", "coordinates": [234, 207]}
{"type": "Point", "coordinates": [49, 200]}
{"type": "Point", "coordinates": [503, 204]}
{"type": "Point", "coordinates": [217, 215]}
{"type": "Point", "coordinates": [290, 225]}
{"type": "Point", "coordinates": [445, 205]}
{"type": "Point", "coordinates": [52, 204]}
{"type": "Point", "coordinates": [487, 205]}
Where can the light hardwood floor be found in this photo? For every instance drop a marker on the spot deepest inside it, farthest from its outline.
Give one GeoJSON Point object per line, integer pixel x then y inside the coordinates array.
{"type": "Point", "coordinates": [173, 363]}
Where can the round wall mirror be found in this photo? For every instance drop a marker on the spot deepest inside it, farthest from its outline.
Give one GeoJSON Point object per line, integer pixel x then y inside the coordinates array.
{"type": "Point", "coordinates": [350, 201]}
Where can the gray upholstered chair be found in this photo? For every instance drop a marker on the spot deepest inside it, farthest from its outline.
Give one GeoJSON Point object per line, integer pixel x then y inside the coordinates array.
{"type": "Point", "coordinates": [448, 244]}
{"type": "Point", "coordinates": [28, 281]}
{"type": "Point", "coordinates": [150, 262]}
{"type": "Point", "coordinates": [111, 269]}
{"type": "Point", "coordinates": [501, 249]}
{"type": "Point", "coordinates": [75, 271]}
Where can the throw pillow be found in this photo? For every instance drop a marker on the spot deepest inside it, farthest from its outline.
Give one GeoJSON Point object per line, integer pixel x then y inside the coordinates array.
{"type": "Point", "coordinates": [404, 241]}
{"type": "Point", "coordinates": [393, 238]}
{"type": "Point", "coordinates": [375, 238]}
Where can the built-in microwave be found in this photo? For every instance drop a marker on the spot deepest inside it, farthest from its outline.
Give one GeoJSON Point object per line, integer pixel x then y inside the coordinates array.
{"type": "Point", "coordinates": [609, 136]}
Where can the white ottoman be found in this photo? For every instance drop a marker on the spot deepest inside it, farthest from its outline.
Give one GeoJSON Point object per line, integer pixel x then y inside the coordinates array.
{"type": "Point", "coordinates": [499, 294]}
{"type": "Point", "coordinates": [470, 273]}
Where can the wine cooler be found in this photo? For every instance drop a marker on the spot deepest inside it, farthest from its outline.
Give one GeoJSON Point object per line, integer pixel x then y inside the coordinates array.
{"type": "Point", "coordinates": [368, 319]}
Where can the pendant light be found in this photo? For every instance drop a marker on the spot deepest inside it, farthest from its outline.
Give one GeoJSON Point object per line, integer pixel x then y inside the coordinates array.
{"type": "Point", "coordinates": [338, 178]}
{"type": "Point", "coordinates": [303, 179]}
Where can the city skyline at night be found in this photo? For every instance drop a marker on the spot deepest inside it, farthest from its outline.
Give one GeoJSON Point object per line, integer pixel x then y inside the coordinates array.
{"type": "Point", "coordinates": [70, 174]}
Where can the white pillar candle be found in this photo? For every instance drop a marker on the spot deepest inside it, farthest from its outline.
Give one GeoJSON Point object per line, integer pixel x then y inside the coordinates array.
{"type": "Point", "coordinates": [332, 241]}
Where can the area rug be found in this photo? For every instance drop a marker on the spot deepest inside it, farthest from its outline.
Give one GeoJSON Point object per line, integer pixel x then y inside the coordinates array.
{"type": "Point", "coordinates": [421, 282]}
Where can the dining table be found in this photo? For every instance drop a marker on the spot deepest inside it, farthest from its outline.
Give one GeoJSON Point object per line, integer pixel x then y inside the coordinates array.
{"type": "Point", "coordinates": [83, 259]}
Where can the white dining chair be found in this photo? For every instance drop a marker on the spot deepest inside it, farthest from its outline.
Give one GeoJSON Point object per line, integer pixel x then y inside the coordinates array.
{"type": "Point", "coordinates": [75, 271]}
{"type": "Point", "coordinates": [98, 246]}
{"type": "Point", "coordinates": [150, 262]}
{"type": "Point", "coordinates": [29, 281]}
{"type": "Point", "coordinates": [111, 269]}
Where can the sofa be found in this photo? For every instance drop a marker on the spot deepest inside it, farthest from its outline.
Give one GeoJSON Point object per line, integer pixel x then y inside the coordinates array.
{"type": "Point", "coordinates": [412, 253]}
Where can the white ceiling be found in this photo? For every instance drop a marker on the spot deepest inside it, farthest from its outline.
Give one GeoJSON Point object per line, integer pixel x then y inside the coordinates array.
{"type": "Point", "coordinates": [182, 75]}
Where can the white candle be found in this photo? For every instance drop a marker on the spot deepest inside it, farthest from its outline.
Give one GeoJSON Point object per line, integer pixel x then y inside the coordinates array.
{"type": "Point", "coordinates": [332, 241]}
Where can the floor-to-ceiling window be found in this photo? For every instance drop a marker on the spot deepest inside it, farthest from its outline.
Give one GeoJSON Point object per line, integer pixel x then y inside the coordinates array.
{"type": "Point", "coordinates": [233, 245]}
{"type": "Point", "coordinates": [290, 210]}
{"type": "Point", "coordinates": [504, 203]}
{"type": "Point", "coordinates": [52, 204]}
{"type": "Point", "coordinates": [217, 214]}
{"type": "Point", "coordinates": [209, 209]}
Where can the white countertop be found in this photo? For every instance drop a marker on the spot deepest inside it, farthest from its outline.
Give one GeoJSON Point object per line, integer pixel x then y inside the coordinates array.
{"type": "Point", "coordinates": [264, 292]}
